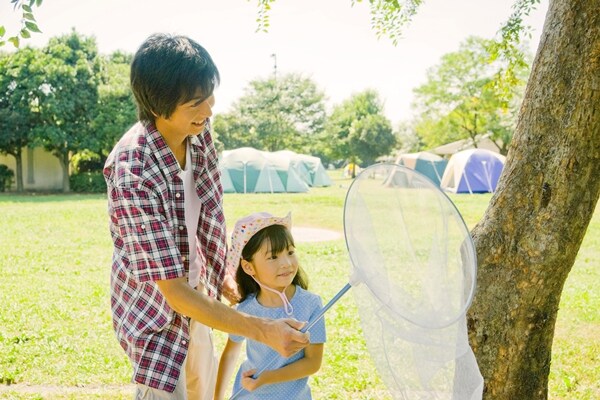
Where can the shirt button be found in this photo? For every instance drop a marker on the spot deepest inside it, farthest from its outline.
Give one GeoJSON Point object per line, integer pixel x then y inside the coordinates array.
{"type": "Point", "coordinates": [178, 195]}
{"type": "Point", "coordinates": [183, 258]}
{"type": "Point", "coordinates": [180, 227]}
{"type": "Point", "coordinates": [184, 342]}
{"type": "Point", "coordinates": [143, 226]}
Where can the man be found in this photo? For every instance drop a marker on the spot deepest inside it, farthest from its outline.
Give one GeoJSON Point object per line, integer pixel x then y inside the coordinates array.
{"type": "Point", "coordinates": [168, 230]}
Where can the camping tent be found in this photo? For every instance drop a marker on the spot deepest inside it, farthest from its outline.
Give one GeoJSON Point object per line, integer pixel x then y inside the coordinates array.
{"type": "Point", "coordinates": [428, 164]}
{"type": "Point", "coordinates": [473, 171]}
{"type": "Point", "coordinates": [480, 142]}
{"type": "Point", "coordinates": [348, 170]}
{"type": "Point", "coordinates": [247, 170]}
{"type": "Point", "coordinates": [309, 168]}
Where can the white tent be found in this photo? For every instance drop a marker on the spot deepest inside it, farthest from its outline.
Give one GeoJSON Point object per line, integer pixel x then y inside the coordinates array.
{"type": "Point", "coordinates": [473, 171]}
{"type": "Point", "coordinates": [309, 168]}
{"type": "Point", "coordinates": [247, 170]}
{"type": "Point", "coordinates": [483, 142]}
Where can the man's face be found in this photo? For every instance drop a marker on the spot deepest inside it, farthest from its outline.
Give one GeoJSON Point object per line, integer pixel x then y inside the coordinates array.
{"type": "Point", "coordinates": [189, 118]}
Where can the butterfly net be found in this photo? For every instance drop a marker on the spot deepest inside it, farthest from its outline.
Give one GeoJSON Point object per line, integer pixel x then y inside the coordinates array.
{"type": "Point", "coordinates": [415, 260]}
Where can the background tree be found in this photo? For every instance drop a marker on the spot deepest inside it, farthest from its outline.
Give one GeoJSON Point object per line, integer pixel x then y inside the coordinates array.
{"type": "Point", "coordinates": [69, 104]}
{"type": "Point", "coordinates": [275, 113]}
{"type": "Point", "coordinates": [406, 139]}
{"type": "Point", "coordinates": [461, 98]}
{"type": "Point", "coordinates": [357, 130]}
{"type": "Point", "coordinates": [116, 111]}
{"type": "Point", "coordinates": [20, 90]}
{"type": "Point", "coordinates": [232, 131]}
{"type": "Point", "coordinates": [371, 137]}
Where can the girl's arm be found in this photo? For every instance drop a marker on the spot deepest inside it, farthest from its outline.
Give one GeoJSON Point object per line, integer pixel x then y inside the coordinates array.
{"type": "Point", "coordinates": [313, 355]}
{"type": "Point", "coordinates": [226, 365]}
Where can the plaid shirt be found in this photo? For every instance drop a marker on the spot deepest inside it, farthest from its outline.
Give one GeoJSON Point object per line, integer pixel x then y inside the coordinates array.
{"type": "Point", "coordinates": [147, 225]}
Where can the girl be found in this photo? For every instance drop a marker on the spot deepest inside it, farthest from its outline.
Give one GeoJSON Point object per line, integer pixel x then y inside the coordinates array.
{"type": "Point", "coordinates": [272, 285]}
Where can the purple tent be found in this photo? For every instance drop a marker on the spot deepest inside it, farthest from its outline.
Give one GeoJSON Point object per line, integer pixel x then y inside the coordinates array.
{"type": "Point", "coordinates": [473, 171]}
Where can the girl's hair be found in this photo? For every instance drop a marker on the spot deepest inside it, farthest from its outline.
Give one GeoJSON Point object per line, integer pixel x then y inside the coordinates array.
{"type": "Point", "coordinates": [280, 239]}
{"type": "Point", "coordinates": [166, 71]}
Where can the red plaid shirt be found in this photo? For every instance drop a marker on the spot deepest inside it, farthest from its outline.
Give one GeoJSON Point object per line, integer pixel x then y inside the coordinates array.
{"type": "Point", "coordinates": [147, 225]}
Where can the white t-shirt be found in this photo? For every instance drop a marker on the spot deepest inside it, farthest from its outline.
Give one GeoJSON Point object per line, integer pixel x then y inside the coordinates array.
{"type": "Point", "coordinates": [192, 214]}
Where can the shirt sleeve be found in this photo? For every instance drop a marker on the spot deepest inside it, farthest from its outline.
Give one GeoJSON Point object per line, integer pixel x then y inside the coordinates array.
{"type": "Point", "coordinates": [149, 244]}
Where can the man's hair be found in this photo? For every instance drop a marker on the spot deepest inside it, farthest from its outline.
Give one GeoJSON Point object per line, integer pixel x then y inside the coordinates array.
{"type": "Point", "coordinates": [168, 70]}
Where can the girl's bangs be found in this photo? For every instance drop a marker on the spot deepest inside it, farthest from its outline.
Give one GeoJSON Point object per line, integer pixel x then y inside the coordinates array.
{"type": "Point", "coordinates": [279, 238]}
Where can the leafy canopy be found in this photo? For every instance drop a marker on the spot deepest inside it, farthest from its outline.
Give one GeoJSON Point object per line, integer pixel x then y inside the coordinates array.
{"type": "Point", "coordinates": [275, 113]}
{"type": "Point", "coordinates": [358, 131]}
{"type": "Point", "coordinates": [460, 99]}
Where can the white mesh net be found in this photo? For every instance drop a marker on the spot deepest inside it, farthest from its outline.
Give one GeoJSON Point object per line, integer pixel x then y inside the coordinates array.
{"type": "Point", "coordinates": [414, 256]}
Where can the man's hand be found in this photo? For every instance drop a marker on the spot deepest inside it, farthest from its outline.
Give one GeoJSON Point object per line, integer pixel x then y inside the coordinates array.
{"type": "Point", "coordinates": [284, 336]}
{"type": "Point", "coordinates": [230, 290]}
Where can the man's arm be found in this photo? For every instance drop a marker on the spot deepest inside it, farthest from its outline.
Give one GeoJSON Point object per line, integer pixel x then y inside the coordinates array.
{"type": "Point", "coordinates": [282, 335]}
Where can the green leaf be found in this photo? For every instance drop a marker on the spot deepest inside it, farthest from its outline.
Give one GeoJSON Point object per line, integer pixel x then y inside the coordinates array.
{"type": "Point", "coordinates": [25, 7]}
{"type": "Point", "coordinates": [25, 33]}
{"type": "Point", "coordinates": [14, 40]}
{"type": "Point", "coordinates": [32, 27]}
{"type": "Point", "coordinates": [28, 16]}
{"type": "Point", "coordinates": [2, 31]}
{"type": "Point", "coordinates": [38, 2]}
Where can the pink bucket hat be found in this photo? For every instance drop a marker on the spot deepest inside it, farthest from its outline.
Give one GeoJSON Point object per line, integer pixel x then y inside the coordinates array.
{"type": "Point", "coordinates": [245, 228]}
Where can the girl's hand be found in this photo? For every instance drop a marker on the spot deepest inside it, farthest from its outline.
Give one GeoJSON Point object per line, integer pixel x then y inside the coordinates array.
{"type": "Point", "coordinates": [230, 289]}
{"type": "Point", "coordinates": [248, 382]}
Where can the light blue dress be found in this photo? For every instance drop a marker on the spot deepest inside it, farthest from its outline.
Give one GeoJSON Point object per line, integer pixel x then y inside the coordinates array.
{"type": "Point", "coordinates": [306, 306]}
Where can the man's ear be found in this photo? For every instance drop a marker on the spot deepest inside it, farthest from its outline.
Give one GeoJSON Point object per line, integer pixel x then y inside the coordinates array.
{"type": "Point", "coordinates": [247, 267]}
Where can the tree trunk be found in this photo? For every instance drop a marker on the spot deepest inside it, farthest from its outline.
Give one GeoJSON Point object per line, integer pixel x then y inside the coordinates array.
{"type": "Point", "coordinates": [19, 169]}
{"type": "Point", "coordinates": [64, 163]}
{"type": "Point", "coordinates": [534, 225]}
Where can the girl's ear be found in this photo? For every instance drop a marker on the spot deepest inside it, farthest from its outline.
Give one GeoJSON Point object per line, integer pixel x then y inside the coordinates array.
{"type": "Point", "coordinates": [247, 267]}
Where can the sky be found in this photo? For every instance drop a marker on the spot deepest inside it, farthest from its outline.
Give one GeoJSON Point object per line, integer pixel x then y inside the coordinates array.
{"type": "Point", "coordinates": [329, 41]}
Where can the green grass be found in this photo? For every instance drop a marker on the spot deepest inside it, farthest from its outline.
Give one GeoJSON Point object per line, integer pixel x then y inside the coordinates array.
{"type": "Point", "coordinates": [55, 326]}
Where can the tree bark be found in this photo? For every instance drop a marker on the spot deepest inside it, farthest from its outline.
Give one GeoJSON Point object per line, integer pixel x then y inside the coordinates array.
{"type": "Point", "coordinates": [532, 230]}
{"type": "Point", "coordinates": [19, 169]}
{"type": "Point", "coordinates": [64, 163]}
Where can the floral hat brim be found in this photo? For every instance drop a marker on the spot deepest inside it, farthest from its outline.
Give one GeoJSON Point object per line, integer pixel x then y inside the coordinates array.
{"type": "Point", "coordinates": [245, 228]}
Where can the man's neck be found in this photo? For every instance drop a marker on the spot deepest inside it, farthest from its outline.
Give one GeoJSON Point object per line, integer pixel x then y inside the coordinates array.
{"type": "Point", "coordinates": [176, 143]}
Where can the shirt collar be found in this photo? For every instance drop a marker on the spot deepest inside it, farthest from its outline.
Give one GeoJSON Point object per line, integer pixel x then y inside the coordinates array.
{"type": "Point", "coordinates": [163, 153]}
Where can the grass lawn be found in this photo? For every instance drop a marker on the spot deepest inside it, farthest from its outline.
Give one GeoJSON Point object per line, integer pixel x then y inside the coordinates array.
{"type": "Point", "coordinates": [56, 340]}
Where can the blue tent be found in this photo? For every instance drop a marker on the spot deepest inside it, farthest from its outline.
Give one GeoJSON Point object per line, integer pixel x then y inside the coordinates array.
{"type": "Point", "coordinates": [428, 164]}
{"type": "Point", "coordinates": [473, 171]}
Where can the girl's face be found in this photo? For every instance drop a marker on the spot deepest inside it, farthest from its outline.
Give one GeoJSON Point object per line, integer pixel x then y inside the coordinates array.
{"type": "Point", "coordinates": [276, 271]}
